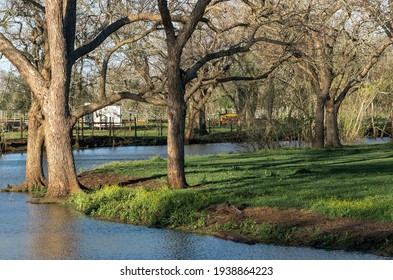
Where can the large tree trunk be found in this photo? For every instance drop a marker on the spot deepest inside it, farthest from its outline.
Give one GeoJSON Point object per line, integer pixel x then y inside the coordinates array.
{"type": "Point", "coordinates": [176, 112]}
{"type": "Point", "coordinates": [61, 168]}
{"type": "Point", "coordinates": [332, 130]}
{"type": "Point", "coordinates": [319, 129]}
{"type": "Point", "coordinates": [35, 178]}
{"type": "Point", "coordinates": [58, 127]}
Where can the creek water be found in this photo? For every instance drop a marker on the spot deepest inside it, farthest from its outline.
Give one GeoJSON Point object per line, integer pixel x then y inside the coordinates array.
{"type": "Point", "coordinates": [30, 231]}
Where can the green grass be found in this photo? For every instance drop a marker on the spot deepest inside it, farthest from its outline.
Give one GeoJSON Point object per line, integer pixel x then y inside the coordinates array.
{"type": "Point", "coordinates": [356, 181]}
{"type": "Point", "coordinates": [162, 207]}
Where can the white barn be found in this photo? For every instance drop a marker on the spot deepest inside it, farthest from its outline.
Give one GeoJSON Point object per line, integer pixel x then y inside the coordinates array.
{"type": "Point", "coordinates": [102, 117]}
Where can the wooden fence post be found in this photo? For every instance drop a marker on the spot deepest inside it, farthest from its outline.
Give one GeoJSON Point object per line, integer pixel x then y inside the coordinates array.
{"type": "Point", "coordinates": [135, 127]}
{"type": "Point", "coordinates": [21, 127]}
{"type": "Point", "coordinates": [129, 122]}
{"type": "Point", "coordinates": [109, 127]}
{"type": "Point", "coordinates": [82, 125]}
{"type": "Point", "coordinates": [161, 128]}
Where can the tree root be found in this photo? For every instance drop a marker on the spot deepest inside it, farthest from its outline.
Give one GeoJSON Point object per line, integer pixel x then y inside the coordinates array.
{"type": "Point", "coordinates": [30, 186]}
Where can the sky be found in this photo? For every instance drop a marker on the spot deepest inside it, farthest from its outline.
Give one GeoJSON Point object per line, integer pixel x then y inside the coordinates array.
{"type": "Point", "coordinates": [4, 64]}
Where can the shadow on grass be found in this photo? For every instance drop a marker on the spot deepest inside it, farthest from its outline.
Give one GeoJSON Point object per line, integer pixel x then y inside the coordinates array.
{"type": "Point", "coordinates": [139, 181]}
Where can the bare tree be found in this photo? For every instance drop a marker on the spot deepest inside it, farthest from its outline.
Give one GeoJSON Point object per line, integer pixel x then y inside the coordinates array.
{"type": "Point", "coordinates": [177, 78]}
{"type": "Point", "coordinates": [336, 41]}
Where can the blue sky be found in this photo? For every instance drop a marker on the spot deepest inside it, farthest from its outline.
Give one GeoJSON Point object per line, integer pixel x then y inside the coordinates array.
{"type": "Point", "coordinates": [4, 64]}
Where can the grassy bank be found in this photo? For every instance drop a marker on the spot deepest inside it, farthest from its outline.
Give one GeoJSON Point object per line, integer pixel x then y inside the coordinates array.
{"type": "Point", "coordinates": [352, 183]}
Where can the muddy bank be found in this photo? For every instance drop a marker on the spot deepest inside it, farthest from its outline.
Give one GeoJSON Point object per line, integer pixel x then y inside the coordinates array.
{"type": "Point", "coordinates": [97, 179]}
{"type": "Point", "coordinates": [299, 228]}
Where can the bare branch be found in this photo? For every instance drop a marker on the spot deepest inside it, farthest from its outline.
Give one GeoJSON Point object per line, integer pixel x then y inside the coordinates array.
{"type": "Point", "coordinates": [192, 71]}
{"type": "Point", "coordinates": [350, 86]}
{"type": "Point", "coordinates": [262, 76]}
{"type": "Point", "coordinates": [167, 20]}
{"type": "Point", "coordinates": [105, 62]}
{"type": "Point", "coordinates": [36, 82]}
{"type": "Point", "coordinates": [35, 4]}
{"type": "Point", "coordinates": [191, 24]}
{"type": "Point", "coordinates": [115, 26]}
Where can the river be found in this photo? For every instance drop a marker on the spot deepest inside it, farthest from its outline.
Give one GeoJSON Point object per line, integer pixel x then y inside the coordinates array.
{"type": "Point", "coordinates": [31, 232]}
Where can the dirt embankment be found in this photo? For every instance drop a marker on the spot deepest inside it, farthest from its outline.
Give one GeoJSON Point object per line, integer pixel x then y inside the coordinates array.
{"type": "Point", "coordinates": [302, 228]}
{"type": "Point", "coordinates": [278, 226]}
{"type": "Point", "coordinates": [96, 179]}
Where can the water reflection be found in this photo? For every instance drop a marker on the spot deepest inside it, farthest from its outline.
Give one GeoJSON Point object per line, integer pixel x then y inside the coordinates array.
{"type": "Point", "coordinates": [175, 245]}
{"type": "Point", "coordinates": [54, 235]}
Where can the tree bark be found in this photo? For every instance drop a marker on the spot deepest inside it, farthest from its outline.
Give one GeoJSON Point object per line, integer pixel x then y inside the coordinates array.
{"type": "Point", "coordinates": [61, 168]}
{"type": "Point", "coordinates": [332, 130]}
{"type": "Point", "coordinates": [197, 115]}
{"type": "Point", "coordinates": [190, 126]}
{"type": "Point", "coordinates": [319, 129]}
{"type": "Point", "coordinates": [176, 112]}
{"type": "Point", "coordinates": [200, 127]}
{"type": "Point", "coordinates": [35, 178]}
